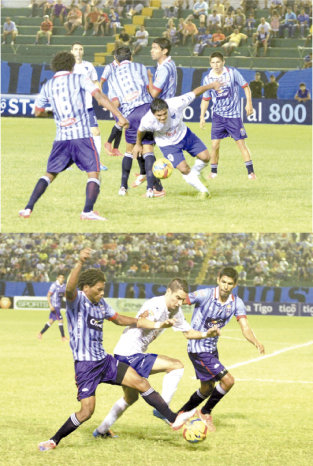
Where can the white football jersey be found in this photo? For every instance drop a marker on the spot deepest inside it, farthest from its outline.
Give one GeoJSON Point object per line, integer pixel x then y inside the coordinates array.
{"type": "Point", "coordinates": [87, 69]}
{"type": "Point", "coordinates": [173, 130]}
{"type": "Point", "coordinates": [136, 340]}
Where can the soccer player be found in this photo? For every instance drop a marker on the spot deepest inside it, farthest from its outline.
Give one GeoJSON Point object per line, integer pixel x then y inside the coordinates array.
{"type": "Point", "coordinates": [214, 307]}
{"type": "Point", "coordinates": [165, 120]}
{"type": "Point", "coordinates": [86, 311]}
{"type": "Point", "coordinates": [226, 119]}
{"type": "Point", "coordinates": [133, 344]}
{"type": "Point", "coordinates": [66, 93]}
{"type": "Point", "coordinates": [86, 68]}
{"type": "Point", "coordinates": [128, 83]}
{"type": "Point", "coordinates": [54, 297]}
{"type": "Point", "coordinates": [164, 83]}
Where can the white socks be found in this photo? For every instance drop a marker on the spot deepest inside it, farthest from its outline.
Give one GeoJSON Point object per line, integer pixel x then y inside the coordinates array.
{"type": "Point", "coordinates": [170, 382]}
{"type": "Point", "coordinates": [198, 166]}
{"type": "Point", "coordinates": [116, 411]}
{"type": "Point", "coordinates": [193, 179]}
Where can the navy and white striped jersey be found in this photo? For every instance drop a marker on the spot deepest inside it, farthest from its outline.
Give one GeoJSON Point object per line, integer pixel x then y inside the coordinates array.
{"type": "Point", "coordinates": [66, 93]}
{"type": "Point", "coordinates": [209, 311]}
{"type": "Point", "coordinates": [128, 83]}
{"type": "Point", "coordinates": [57, 292]}
{"type": "Point", "coordinates": [85, 322]}
{"type": "Point", "coordinates": [225, 103]}
{"type": "Point", "coordinates": [107, 72]}
{"type": "Point", "coordinates": [165, 79]}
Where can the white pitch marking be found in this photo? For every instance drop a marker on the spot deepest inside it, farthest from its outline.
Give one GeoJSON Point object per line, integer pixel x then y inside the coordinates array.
{"type": "Point", "coordinates": [275, 381]}
{"type": "Point", "coordinates": [260, 358]}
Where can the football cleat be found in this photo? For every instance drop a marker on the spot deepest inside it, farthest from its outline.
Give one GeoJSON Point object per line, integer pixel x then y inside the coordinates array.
{"type": "Point", "coordinates": [64, 339]}
{"type": "Point", "coordinates": [158, 193]}
{"type": "Point", "coordinates": [207, 419]}
{"type": "Point", "coordinates": [122, 191]}
{"type": "Point", "coordinates": [139, 180]}
{"type": "Point", "coordinates": [181, 418]}
{"type": "Point", "coordinates": [108, 148]}
{"type": "Point", "coordinates": [204, 195]}
{"type": "Point", "coordinates": [92, 215]}
{"type": "Point", "coordinates": [252, 176]}
{"type": "Point", "coordinates": [117, 153]}
{"type": "Point", "coordinates": [157, 414]}
{"type": "Point", "coordinates": [212, 175]}
{"type": "Point", "coordinates": [103, 167]}
{"type": "Point", "coordinates": [48, 445]}
{"type": "Point", "coordinates": [25, 213]}
{"type": "Point", "coordinates": [149, 193]}
{"type": "Point", "coordinates": [39, 336]}
{"type": "Point", "coordinates": [108, 434]}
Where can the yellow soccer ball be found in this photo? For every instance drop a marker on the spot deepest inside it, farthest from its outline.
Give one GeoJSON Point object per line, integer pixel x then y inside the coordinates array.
{"type": "Point", "coordinates": [162, 168]}
{"type": "Point", "coordinates": [195, 431]}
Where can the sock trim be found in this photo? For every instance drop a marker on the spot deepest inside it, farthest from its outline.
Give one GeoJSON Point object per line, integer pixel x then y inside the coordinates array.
{"type": "Point", "coordinates": [74, 420]}
{"type": "Point", "coordinates": [95, 180]}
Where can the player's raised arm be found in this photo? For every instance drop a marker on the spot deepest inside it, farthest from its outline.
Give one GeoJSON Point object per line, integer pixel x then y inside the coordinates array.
{"type": "Point", "coordinates": [196, 335]}
{"type": "Point", "coordinates": [216, 85]}
{"type": "Point", "coordinates": [142, 322]}
{"type": "Point", "coordinates": [71, 285]}
{"type": "Point", "coordinates": [249, 335]}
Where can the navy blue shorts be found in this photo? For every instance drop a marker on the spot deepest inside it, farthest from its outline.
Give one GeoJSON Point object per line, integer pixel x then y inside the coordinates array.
{"type": "Point", "coordinates": [92, 118]}
{"type": "Point", "coordinates": [141, 362]}
{"type": "Point", "coordinates": [190, 143]}
{"type": "Point", "coordinates": [82, 152]}
{"type": "Point", "coordinates": [56, 314]}
{"type": "Point", "coordinates": [134, 119]}
{"type": "Point", "coordinates": [207, 366]}
{"type": "Point", "coordinates": [224, 127]}
{"type": "Point", "coordinates": [89, 374]}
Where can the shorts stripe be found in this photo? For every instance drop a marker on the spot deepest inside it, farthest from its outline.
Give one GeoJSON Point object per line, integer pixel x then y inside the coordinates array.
{"type": "Point", "coordinates": [96, 153]}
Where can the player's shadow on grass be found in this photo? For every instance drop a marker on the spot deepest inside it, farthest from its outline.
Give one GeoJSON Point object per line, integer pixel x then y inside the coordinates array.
{"type": "Point", "coordinates": [227, 420]}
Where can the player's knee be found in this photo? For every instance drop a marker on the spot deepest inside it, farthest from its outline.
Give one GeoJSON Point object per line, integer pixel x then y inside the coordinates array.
{"type": "Point", "coordinates": [85, 413]}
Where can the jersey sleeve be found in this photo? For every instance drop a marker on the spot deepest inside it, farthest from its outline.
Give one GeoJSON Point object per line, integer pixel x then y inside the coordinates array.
{"type": "Point", "coordinates": [181, 102]}
{"type": "Point", "coordinates": [52, 288]}
{"type": "Point", "coordinates": [109, 312]}
{"type": "Point", "coordinates": [181, 324]}
{"type": "Point", "coordinates": [239, 78]}
{"type": "Point", "coordinates": [161, 78]}
{"type": "Point", "coordinates": [106, 73]}
{"type": "Point", "coordinates": [198, 296]}
{"type": "Point", "coordinates": [146, 123]}
{"type": "Point", "coordinates": [93, 73]}
{"type": "Point", "coordinates": [42, 100]}
{"type": "Point", "coordinates": [207, 94]}
{"type": "Point", "coordinates": [88, 85]}
{"type": "Point", "coordinates": [240, 309]}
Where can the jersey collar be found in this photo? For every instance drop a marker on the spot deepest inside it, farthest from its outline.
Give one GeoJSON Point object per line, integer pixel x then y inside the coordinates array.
{"type": "Point", "coordinates": [167, 59]}
{"type": "Point", "coordinates": [61, 73]}
{"type": "Point", "coordinates": [230, 299]}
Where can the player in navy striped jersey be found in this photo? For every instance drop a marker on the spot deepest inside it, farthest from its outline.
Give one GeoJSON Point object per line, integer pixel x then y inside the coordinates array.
{"type": "Point", "coordinates": [54, 297]}
{"type": "Point", "coordinates": [164, 83]}
{"type": "Point", "coordinates": [86, 311]}
{"type": "Point", "coordinates": [214, 306]}
{"type": "Point", "coordinates": [133, 344]}
{"type": "Point", "coordinates": [226, 120]}
{"type": "Point", "coordinates": [128, 84]}
{"type": "Point", "coordinates": [66, 93]}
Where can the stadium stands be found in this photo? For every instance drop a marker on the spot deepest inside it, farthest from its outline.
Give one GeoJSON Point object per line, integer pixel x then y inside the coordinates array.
{"type": "Point", "coordinates": [283, 54]}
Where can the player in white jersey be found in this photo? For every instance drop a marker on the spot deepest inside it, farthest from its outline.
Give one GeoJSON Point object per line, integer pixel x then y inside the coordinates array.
{"type": "Point", "coordinates": [66, 93]}
{"type": "Point", "coordinates": [86, 312]}
{"type": "Point", "coordinates": [133, 344]}
{"type": "Point", "coordinates": [226, 120]}
{"type": "Point", "coordinates": [165, 120]}
{"type": "Point", "coordinates": [54, 297]}
{"type": "Point", "coordinates": [86, 68]}
{"type": "Point", "coordinates": [214, 307]}
{"type": "Point", "coordinates": [164, 83]}
{"type": "Point", "coordinates": [128, 84]}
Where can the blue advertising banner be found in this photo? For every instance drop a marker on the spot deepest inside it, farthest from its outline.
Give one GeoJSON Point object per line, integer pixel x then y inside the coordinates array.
{"type": "Point", "coordinates": [268, 111]}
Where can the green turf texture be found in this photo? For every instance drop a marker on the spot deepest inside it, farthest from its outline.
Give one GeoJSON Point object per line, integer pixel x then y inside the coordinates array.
{"type": "Point", "coordinates": [265, 420]}
{"type": "Point", "coordinates": [278, 201]}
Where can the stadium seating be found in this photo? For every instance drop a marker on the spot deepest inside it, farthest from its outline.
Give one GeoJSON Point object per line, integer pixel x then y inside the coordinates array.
{"type": "Point", "coordinates": [283, 54]}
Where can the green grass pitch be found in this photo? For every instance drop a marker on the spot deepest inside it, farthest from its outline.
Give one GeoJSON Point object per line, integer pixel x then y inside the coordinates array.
{"type": "Point", "coordinates": [265, 420]}
{"type": "Point", "coordinates": [279, 200]}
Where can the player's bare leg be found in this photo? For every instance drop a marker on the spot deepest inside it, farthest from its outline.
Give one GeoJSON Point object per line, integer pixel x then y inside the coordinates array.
{"type": "Point", "coordinates": [245, 152]}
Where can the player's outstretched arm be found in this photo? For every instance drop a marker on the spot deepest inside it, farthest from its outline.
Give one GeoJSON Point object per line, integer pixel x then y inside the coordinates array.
{"type": "Point", "coordinates": [105, 102]}
{"type": "Point", "coordinates": [196, 335]}
{"type": "Point", "coordinates": [249, 334]}
{"type": "Point", "coordinates": [71, 285]}
{"type": "Point", "coordinates": [216, 85]}
{"type": "Point", "coordinates": [142, 322]}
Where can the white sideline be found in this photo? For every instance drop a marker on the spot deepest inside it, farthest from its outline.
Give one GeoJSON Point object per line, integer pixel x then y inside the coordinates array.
{"type": "Point", "coordinates": [275, 381]}
{"type": "Point", "coordinates": [275, 353]}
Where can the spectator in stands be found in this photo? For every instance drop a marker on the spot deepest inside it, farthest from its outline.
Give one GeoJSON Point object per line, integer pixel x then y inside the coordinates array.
{"type": "Point", "coordinates": [141, 37]}
{"type": "Point", "coordinates": [189, 30]}
{"type": "Point", "coordinates": [58, 11]}
{"type": "Point", "coordinates": [218, 38]}
{"type": "Point", "coordinates": [203, 40]}
{"type": "Point", "coordinates": [275, 23]}
{"type": "Point", "coordinates": [45, 30]}
{"type": "Point", "coordinates": [85, 8]}
{"type": "Point", "coordinates": [228, 23]}
{"type": "Point", "coordinates": [256, 86]}
{"type": "Point", "coordinates": [239, 19]}
{"type": "Point", "coordinates": [220, 8]}
{"type": "Point", "coordinates": [264, 25]}
{"type": "Point", "coordinates": [214, 21]}
{"type": "Point", "coordinates": [34, 5]}
{"type": "Point", "coordinates": [123, 39]}
{"type": "Point", "coordinates": [114, 20]}
{"type": "Point", "coordinates": [308, 61]}
{"type": "Point", "coordinates": [135, 9]}
{"type": "Point", "coordinates": [180, 29]}
{"type": "Point", "coordinates": [249, 6]}
{"type": "Point", "coordinates": [200, 10]}
{"type": "Point", "coordinates": [103, 23]}
{"type": "Point", "coordinates": [234, 40]}
{"type": "Point", "coordinates": [302, 94]}
{"type": "Point", "coordinates": [47, 6]}
{"type": "Point", "coordinates": [271, 88]}
{"type": "Point", "coordinates": [171, 32]}
{"type": "Point", "coordinates": [9, 29]}
{"type": "Point", "coordinates": [250, 24]}
{"type": "Point", "coordinates": [73, 20]}
{"type": "Point", "coordinates": [92, 21]}
{"type": "Point", "coordinates": [276, 5]}
{"type": "Point", "coordinates": [261, 41]}
{"type": "Point", "coordinates": [303, 23]}
{"type": "Point", "coordinates": [290, 23]}
{"type": "Point", "coordinates": [171, 12]}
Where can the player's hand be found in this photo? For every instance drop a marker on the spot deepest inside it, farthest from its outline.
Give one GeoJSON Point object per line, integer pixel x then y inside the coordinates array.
{"type": "Point", "coordinates": [249, 109]}
{"type": "Point", "coordinates": [202, 123]}
{"type": "Point", "coordinates": [150, 75]}
{"type": "Point", "coordinates": [137, 150]}
{"type": "Point", "coordinates": [123, 123]}
{"type": "Point", "coordinates": [84, 254]}
{"type": "Point", "coordinates": [216, 85]}
{"type": "Point", "coordinates": [260, 348]}
{"type": "Point", "coordinates": [213, 332]}
{"type": "Point", "coordinates": [168, 323]}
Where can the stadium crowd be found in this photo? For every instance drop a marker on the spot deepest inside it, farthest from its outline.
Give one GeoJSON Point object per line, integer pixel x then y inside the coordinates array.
{"type": "Point", "coordinates": [261, 259]}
